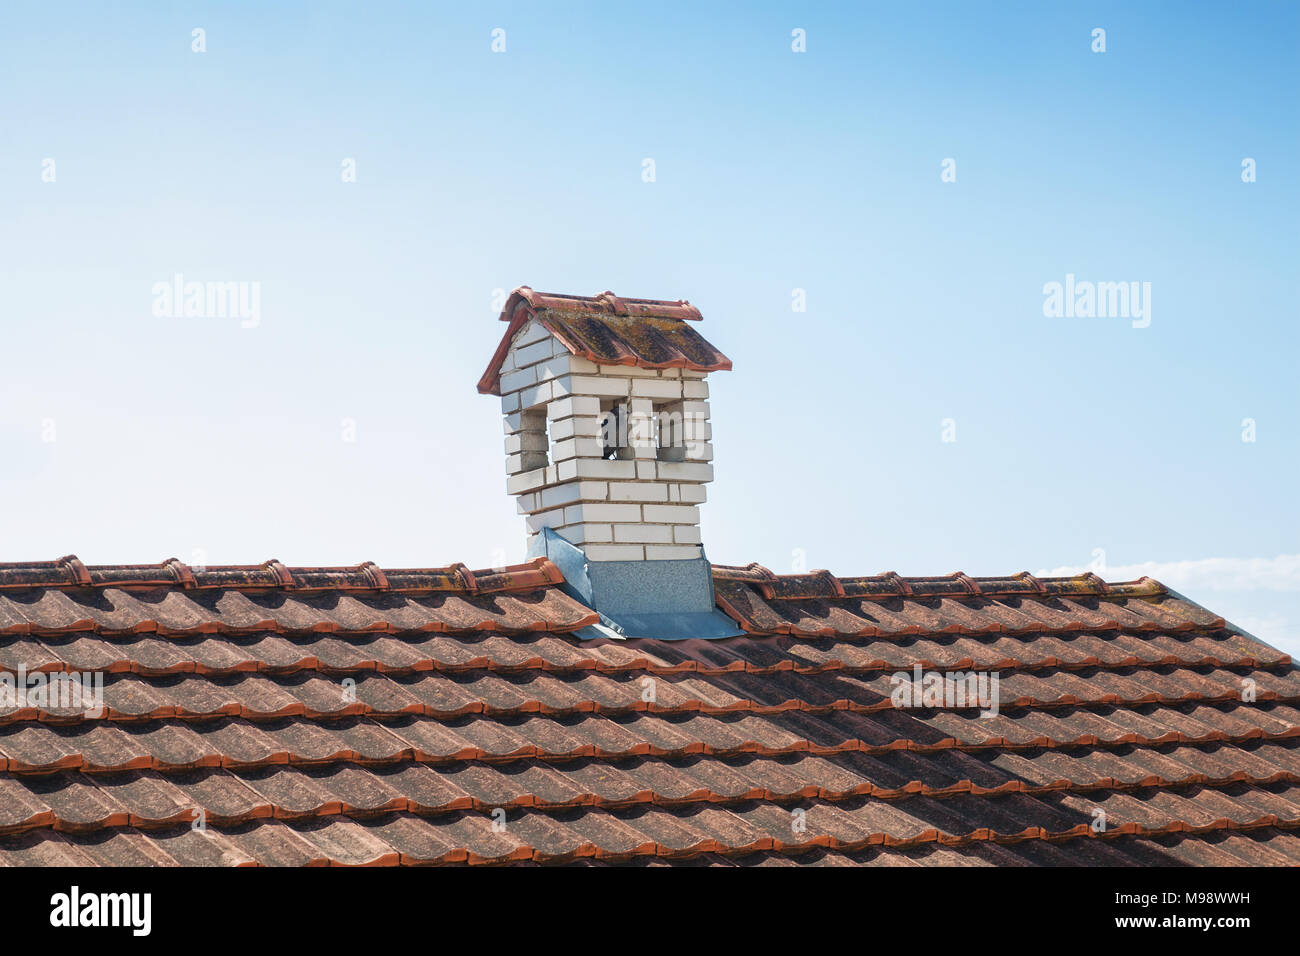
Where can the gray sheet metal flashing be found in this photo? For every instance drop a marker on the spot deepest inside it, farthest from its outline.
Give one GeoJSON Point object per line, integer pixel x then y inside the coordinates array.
{"type": "Point", "coordinates": [662, 600]}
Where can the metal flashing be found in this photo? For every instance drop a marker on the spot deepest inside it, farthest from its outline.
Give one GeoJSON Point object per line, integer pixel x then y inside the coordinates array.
{"type": "Point", "coordinates": [660, 600]}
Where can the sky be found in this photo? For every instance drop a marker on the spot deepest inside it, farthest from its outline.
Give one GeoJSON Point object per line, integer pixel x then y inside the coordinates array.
{"type": "Point", "coordinates": [917, 178]}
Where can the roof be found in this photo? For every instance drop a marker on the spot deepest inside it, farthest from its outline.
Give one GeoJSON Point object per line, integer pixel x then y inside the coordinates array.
{"type": "Point", "coordinates": [226, 689]}
{"type": "Point", "coordinates": [609, 330]}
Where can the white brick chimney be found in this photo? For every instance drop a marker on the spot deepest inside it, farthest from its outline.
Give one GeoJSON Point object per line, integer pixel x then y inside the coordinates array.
{"type": "Point", "coordinates": [607, 421]}
{"type": "Point", "coordinates": [613, 457]}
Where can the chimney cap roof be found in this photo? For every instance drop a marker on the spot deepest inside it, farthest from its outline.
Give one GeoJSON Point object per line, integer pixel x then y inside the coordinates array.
{"type": "Point", "coordinates": [609, 330]}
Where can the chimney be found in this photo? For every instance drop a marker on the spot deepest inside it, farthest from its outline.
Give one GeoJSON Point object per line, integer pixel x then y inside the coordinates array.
{"type": "Point", "coordinates": [608, 446]}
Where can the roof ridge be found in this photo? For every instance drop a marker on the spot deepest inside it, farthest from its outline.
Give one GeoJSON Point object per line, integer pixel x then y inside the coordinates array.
{"type": "Point", "coordinates": [605, 301]}
{"type": "Point", "coordinates": [70, 572]}
{"type": "Point", "coordinates": [823, 584]}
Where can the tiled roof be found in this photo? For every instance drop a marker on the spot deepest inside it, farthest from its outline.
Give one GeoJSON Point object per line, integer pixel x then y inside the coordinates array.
{"type": "Point", "coordinates": [371, 716]}
{"type": "Point", "coordinates": [609, 330]}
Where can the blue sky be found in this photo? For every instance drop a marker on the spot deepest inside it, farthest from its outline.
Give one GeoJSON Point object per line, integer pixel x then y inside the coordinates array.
{"type": "Point", "coordinates": [129, 437]}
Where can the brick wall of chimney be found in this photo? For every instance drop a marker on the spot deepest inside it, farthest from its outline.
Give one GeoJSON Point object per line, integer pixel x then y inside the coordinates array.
{"type": "Point", "coordinates": [642, 504]}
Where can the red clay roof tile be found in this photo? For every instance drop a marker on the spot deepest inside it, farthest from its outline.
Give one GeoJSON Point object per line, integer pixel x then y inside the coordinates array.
{"type": "Point", "coordinates": [609, 330]}
{"type": "Point", "coordinates": [472, 693]}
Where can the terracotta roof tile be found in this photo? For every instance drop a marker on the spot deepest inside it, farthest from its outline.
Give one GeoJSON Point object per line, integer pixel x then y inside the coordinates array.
{"type": "Point", "coordinates": [469, 692]}
{"type": "Point", "coordinates": [609, 330]}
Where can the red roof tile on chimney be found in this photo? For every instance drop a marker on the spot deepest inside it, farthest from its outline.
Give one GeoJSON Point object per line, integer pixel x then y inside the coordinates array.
{"type": "Point", "coordinates": [609, 330]}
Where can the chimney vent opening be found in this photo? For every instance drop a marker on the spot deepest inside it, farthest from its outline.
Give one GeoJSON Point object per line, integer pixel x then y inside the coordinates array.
{"type": "Point", "coordinates": [534, 442]}
{"type": "Point", "coordinates": [615, 445]}
{"type": "Point", "coordinates": [671, 432]}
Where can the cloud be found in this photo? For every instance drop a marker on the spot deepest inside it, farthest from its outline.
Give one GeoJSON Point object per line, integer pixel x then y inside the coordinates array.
{"type": "Point", "coordinates": [1205, 574]}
